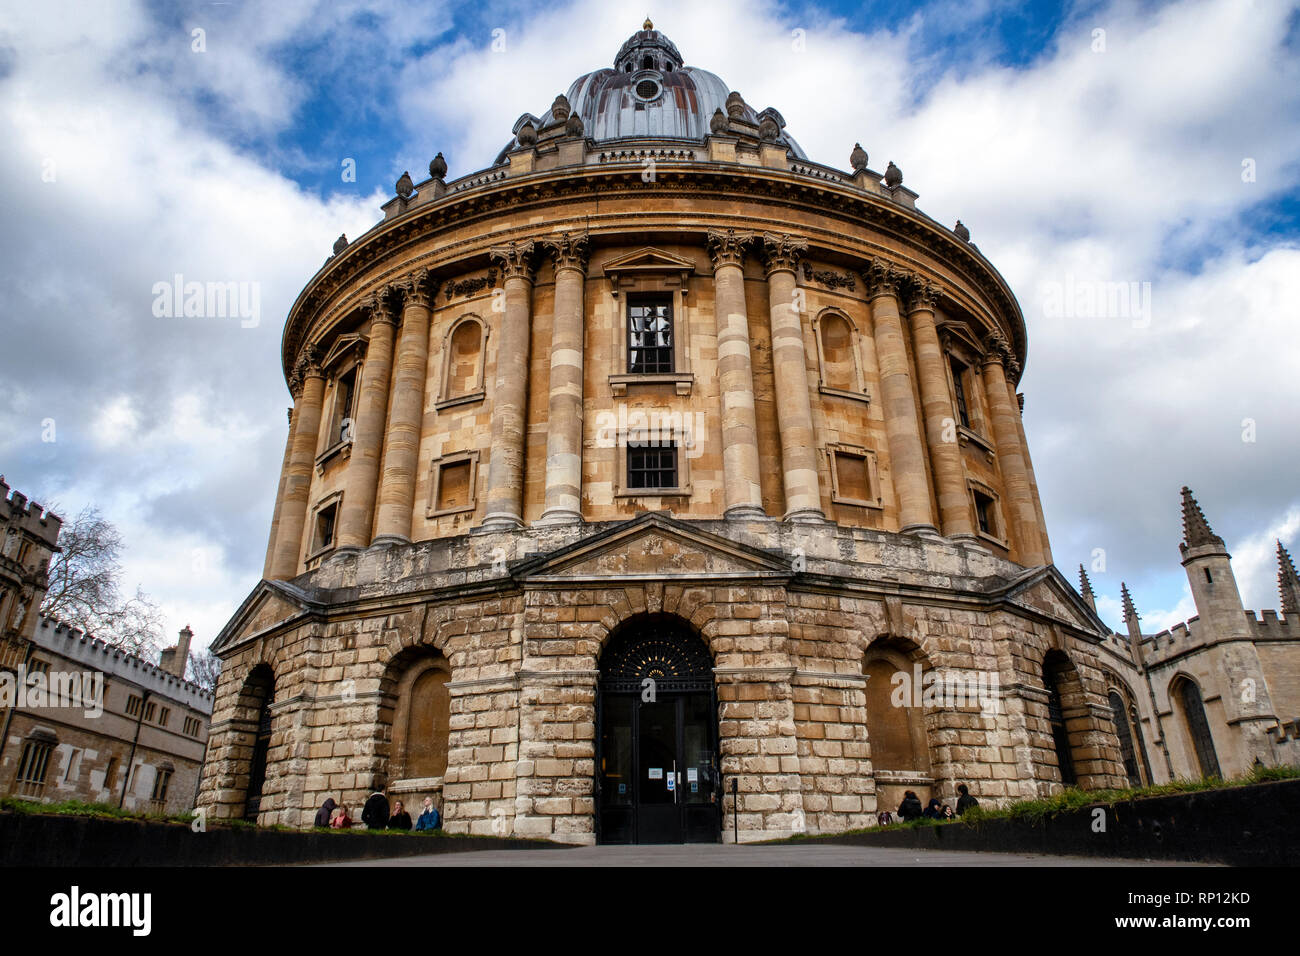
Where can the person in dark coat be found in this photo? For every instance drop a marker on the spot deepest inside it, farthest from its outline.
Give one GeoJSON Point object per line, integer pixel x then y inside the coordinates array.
{"type": "Point", "coordinates": [934, 809]}
{"type": "Point", "coordinates": [429, 819]}
{"type": "Point", "coordinates": [910, 808]}
{"type": "Point", "coordinates": [375, 813]}
{"type": "Point", "coordinates": [400, 820]}
{"type": "Point", "coordinates": [325, 812]}
{"type": "Point", "coordinates": [965, 801]}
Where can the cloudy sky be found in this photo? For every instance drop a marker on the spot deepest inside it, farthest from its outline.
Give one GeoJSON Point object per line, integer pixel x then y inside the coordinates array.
{"type": "Point", "coordinates": [1156, 145]}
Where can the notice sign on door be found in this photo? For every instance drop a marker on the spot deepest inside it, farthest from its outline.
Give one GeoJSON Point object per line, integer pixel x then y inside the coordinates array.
{"type": "Point", "coordinates": [692, 774]}
{"type": "Point", "coordinates": [656, 773]}
{"type": "Point", "coordinates": [672, 781]}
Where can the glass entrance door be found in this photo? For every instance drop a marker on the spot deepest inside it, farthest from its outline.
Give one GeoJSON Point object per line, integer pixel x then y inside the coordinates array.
{"type": "Point", "coordinates": [657, 777]}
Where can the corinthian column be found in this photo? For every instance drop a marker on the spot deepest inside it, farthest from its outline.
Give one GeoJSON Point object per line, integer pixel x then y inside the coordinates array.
{"type": "Point", "coordinates": [368, 428]}
{"type": "Point", "coordinates": [405, 413]}
{"type": "Point", "coordinates": [308, 387]}
{"type": "Point", "coordinates": [505, 492]}
{"type": "Point", "coordinates": [902, 424]}
{"type": "Point", "coordinates": [803, 500]}
{"type": "Point", "coordinates": [564, 418]}
{"type": "Point", "coordinates": [1011, 459]}
{"type": "Point", "coordinates": [937, 409]}
{"type": "Point", "coordinates": [740, 466]}
{"type": "Point", "coordinates": [1013, 370]}
{"type": "Point", "coordinates": [279, 499]}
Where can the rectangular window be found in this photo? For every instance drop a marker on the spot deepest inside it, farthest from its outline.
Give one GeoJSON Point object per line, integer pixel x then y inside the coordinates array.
{"type": "Point", "coordinates": [191, 726]}
{"type": "Point", "coordinates": [133, 705]}
{"type": "Point", "coordinates": [984, 514]}
{"type": "Point", "coordinates": [32, 765]}
{"type": "Point", "coordinates": [149, 709]}
{"type": "Point", "coordinates": [160, 783]}
{"type": "Point", "coordinates": [650, 334]}
{"type": "Point", "coordinates": [38, 666]}
{"type": "Point", "coordinates": [959, 391]}
{"type": "Point", "coordinates": [325, 519]}
{"type": "Point", "coordinates": [73, 769]}
{"type": "Point", "coordinates": [110, 772]}
{"type": "Point", "coordinates": [453, 486]}
{"type": "Point", "coordinates": [652, 466]}
{"type": "Point", "coordinates": [853, 477]}
{"type": "Point", "coordinates": [163, 714]}
{"type": "Point", "coordinates": [344, 397]}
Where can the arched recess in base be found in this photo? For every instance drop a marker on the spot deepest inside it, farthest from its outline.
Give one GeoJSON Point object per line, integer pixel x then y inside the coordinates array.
{"type": "Point", "coordinates": [1066, 701]}
{"type": "Point", "coordinates": [657, 764]}
{"type": "Point", "coordinates": [253, 711]}
{"type": "Point", "coordinates": [416, 704]}
{"type": "Point", "coordinates": [897, 734]}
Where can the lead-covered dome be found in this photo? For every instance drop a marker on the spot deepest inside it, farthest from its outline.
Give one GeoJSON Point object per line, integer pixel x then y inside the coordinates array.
{"type": "Point", "coordinates": [650, 93]}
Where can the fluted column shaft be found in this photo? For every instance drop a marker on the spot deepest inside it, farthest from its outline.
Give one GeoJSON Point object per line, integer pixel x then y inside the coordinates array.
{"type": "Point", "coordinates": [940, 418]}
{"type": "Point", "coordinates": [740, 465]}
{"type": "Point", "coordinates": [1029, 468]}
{"type": "Point", "coordinates": [505, 491]}
{"type": "Point", "coordinates": [1011, 460]}
{"type": "Point", "coordinates": [279, 499]}
{"type": "Point", "coordinates": [564, 422]}
{"type": "Point", "coordinates": [803, 501]}
{"type": "Point", "coordinates": [362, 486]}
{"type": "Point", "coordinates": [902, 423]}
{"type": "Point", "coordinates": [308, 395]}
{"type": "Point", "coordinates": [405, 415]}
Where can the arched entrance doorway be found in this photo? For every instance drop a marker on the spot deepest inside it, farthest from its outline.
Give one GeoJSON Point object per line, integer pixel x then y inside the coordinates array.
{"type": "Point", "coordinates": [657, 778]}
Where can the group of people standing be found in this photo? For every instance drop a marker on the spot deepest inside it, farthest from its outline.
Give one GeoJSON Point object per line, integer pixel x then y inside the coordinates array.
{"type": "Point", "coordinates": [376, 815]}
{"type": "Point", "coordinates": [911, 809]}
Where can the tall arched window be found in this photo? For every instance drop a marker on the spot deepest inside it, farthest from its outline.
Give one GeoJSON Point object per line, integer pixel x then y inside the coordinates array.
{"type": "Point", "coordinates": [1120, 716]}
{"type": "Point", "coordinates": [1198, 726]}
{"type": "Point", "coordinates": [837, 353]}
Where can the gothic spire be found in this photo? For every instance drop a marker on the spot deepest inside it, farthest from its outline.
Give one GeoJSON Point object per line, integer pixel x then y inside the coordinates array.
{"type": "Point", "coordinates": [1130, 612]}
{"type": "Point", "coordinates": [1085, 586]}
{"type": "Point", "coordinates": [1196, 530]}
{"type": "Point", "coordinates": [1288, 583]}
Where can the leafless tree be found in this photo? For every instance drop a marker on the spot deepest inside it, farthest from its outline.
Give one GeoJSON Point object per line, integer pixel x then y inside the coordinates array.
{"type": "Point", "coordinates": [205, 669]}
{"type": "Point", "coordinates": [85, 589]}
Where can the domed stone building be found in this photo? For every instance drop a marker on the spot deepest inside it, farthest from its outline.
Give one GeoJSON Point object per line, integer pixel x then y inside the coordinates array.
{"type": "Point", "coordinates": [656, 483]}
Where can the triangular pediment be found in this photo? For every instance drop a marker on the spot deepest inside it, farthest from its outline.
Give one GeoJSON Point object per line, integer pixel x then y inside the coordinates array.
{"type": "Point", "coordinates": [343, 345]}
{"type": "Point", "coordinates": [269, 605]}
{"type": "Point", "coordinates": [654, 545]}
{"type": "Point", "coordinates": [648, 260]}
{"type": "Point", "coordinates": [1047, 592]}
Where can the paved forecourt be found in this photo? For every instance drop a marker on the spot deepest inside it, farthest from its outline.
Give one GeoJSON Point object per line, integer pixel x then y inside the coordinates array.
{"type": "Point", "coordinates": [730, 855]}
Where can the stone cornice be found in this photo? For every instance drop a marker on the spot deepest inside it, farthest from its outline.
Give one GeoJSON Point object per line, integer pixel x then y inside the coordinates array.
{"type": "Point", "coordinates": [839, 201]}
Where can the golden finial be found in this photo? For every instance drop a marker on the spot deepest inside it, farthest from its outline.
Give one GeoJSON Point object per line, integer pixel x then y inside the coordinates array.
{"type": "Point", "coordinates": [647, 25]}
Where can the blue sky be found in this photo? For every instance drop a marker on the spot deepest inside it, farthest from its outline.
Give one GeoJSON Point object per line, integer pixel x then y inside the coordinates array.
{"type": "Point", "coordinates": [1070, 163]}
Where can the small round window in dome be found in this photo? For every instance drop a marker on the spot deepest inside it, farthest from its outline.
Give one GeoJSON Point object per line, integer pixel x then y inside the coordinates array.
{"type": "Point", "coordinates": [647, 89]}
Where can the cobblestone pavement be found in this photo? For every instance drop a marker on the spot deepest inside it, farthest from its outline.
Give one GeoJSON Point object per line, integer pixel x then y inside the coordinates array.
{"type": "Point", "coordinates": [720, 855]}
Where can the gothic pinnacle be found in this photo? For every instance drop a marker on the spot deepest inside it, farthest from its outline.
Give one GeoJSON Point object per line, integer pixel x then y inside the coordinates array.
{"type": "Point", "coordinates": [1130, 612]}
{"type": "Point", "coordinates": [1196, 530]}
{"type": "Point", "coordinates": [1288, 582]}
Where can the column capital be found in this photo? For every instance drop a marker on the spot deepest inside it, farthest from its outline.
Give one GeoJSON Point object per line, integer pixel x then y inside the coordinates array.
{"type": "Point", "coordinates": [307, 366]}
{"type": "Point", "coordinates": [781, 252]}
{"type": "Point", "coordinates": [418, 288]}
{"type": "Point", "coordinates": [515, 259]}
{"type": "Point", "coordinates": [882, 278]}
{"type": "Point", "coordinates": [727, 247]}
{"type": "Point", "coordinates": [379, 306]}
{"type": "Point", "coordinates": [921, 294]}
{"type": "Point", "coordinates": [996, 351]}
{"type": "Point", "coordinates": [569, 250]}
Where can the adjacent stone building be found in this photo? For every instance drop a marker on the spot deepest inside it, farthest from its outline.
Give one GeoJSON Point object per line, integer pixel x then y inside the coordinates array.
{"type": "Point", "coordinates": [80, 720]}
{"type": "Point", "coordinates": [1214, 696]}
{"type": "Point", "coordinates": [657, 483]}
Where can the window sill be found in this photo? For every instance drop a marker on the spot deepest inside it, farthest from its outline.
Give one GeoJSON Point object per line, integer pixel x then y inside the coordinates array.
{"type": "Point", "coordinates": [682, 380]}
{"type": "Point", "coordinates": [1000, 542]}
{"type": "Point", "coordinates": [463, 510]}
{"type": "Point", "coordinates": [460, 400]}
{"type": "Point", "coordinates": [863, 397]}
{"type": "Point", "coordinates": [654, 493]}
{"type": "Point", "coordinates": [342, 450]}
{"type": "Point", "coordinates": [968, 436]}
{"type": "Point", "coordinates": [858, 503]}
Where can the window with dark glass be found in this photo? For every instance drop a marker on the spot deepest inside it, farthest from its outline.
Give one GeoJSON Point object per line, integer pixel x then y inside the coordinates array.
{"type": "Point", "coordinates": [325, 526]}
{"type": "Point", "coordinates": [650, 334]}
{"type": "Point", "coordinates": [959, 391]}
{"type": "Point", "coordinates": [652, 466]}
{"type": "Point", "coordinates": [343, 409]}
{"type": "Point", "coordinates": [984, 514]}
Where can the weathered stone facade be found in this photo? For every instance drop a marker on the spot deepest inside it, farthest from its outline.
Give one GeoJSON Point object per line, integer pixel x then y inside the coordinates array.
{"type": "Point", "coordinates": [655, 369]}
{"type": "Point", "coordinates": [1241, 672]}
